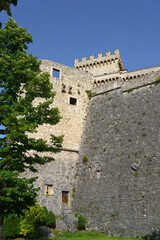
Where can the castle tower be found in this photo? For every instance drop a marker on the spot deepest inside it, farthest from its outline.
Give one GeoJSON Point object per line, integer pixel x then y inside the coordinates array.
{"type": "Point", "coordinates": [102, 65]}
{"type": "Point", "coordinates": [57, 178]}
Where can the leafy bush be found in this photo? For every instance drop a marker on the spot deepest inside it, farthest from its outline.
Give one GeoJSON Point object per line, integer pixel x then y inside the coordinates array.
{"type": "Point", "coordinates": [31, 219]}
{"type": "Point", "coordinates": [81, 222]}
{"type": "Point", "coordinates": [157, 80]}
{"type": "Point", "coordinates": [85, 159]}
{"type": "Point", "coordinates": [11, 227]}
{"type": "Point", "coordinates": [50, 218]}
{"type": "Point", "coordinates": [76, 214]}
{"type": "Point", "coordinates": [89, 93]}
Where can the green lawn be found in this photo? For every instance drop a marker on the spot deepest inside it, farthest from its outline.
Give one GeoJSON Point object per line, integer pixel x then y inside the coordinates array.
{"type": "Point", "coordinates": [83, 235]}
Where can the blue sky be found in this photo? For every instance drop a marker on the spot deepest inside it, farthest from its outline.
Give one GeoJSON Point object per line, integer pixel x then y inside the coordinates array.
{"type": "Point", "coordinates": [63, 30]}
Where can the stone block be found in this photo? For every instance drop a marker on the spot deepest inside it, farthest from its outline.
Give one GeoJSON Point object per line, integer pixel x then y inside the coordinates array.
{"type": "Point", "coordinates": [61, 225]}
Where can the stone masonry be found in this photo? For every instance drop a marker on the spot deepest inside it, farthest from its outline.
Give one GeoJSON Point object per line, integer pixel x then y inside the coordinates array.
{"type": "Point", "coordinates": [118, 186]}
{"type": "Point", "coordinates": [58, 177]}
{"type": "Point", "coordinates": [108, 168]}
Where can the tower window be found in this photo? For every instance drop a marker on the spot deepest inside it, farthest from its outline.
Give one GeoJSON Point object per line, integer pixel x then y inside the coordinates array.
{"type": "Point", "coordinates": [48, 190]}
{"type": "Point", "coordinates": [73, 101]}
{"type": "Point", "coordinates": [55, 73]}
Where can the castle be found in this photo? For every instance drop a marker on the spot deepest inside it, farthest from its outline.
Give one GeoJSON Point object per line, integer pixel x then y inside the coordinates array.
{"type": "Point", "coordinates": [108, 168]}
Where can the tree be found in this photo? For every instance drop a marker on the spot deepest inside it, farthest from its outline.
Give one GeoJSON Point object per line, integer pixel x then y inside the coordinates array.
{"type": "Point", "coordinates": [5, 5]}
{"type": "Point", "coordinates": [21, 82]}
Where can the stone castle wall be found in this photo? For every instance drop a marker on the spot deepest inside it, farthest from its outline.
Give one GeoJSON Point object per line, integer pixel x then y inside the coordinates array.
{"type": "Point", "coordinates": [113, 178]}
{"type": "Point", "coordinates": [124, 75]}
{"type": "Point", "coordinates": [73, 116]}
{"type": "Point", "coordinates": [118, 178]}
{"type": "Point", "coordinates": [59, 176]}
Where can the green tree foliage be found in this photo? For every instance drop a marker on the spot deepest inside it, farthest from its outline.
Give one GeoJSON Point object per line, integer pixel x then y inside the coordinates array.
{"type": "Point", "coordinates": [31, 220]}
{"type": "Point", "coordinates": [5, 5]}
{"type": "Point", "coordinates": [21, 82]}
{"type": "Point", "coordinates": [11, 227]}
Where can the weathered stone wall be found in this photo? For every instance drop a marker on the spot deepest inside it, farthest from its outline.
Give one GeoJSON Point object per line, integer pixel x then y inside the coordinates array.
{"type": "Point", "coordinates": [73, 116]}
{"type": "Point", "coordinates": [59, 175]}
{"type": "Point", "coordinates": [118, 182]}
{"type": "Point", "coordinates": [124, 75]}
{"type": "Point", "coordinates": [115, 179]}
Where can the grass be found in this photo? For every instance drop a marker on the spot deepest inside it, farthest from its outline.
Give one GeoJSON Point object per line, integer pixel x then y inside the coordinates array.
{"type": "Point", "coordinates": [84, 235]}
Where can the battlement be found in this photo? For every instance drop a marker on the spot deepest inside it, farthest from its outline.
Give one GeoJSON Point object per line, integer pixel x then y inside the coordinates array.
{"type": "Point", "coordinates": [124, 75]}
{"type": "Point", "coordinates": [100, 57]}
{"type": "Point", "coordinates": [101, 64]}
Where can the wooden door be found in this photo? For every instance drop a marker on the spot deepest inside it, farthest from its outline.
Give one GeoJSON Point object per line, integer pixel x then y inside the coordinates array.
{"type": "Point", "coordinates": [65, 198]}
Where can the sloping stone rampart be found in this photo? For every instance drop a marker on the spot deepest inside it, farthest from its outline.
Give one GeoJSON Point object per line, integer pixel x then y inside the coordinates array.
{"type": "Point", "coordinates": [118, 183]}
{"type": "Point", "coordinates": [124, 75]}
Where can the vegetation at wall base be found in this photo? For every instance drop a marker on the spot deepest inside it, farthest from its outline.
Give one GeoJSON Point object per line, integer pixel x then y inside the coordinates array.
{"type": "Point", "coordinates": [28, 225]}
{"type": "Point", "coordinates": [81, 222]}
{"type": "Point", "coordinates": [32, 218]}
{"type": "Point", "coordinates": [50, 218]}
{"type": "Point", "coordinates": [11, 228]}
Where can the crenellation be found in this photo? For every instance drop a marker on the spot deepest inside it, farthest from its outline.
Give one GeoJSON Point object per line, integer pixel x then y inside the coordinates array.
{"type": "Point", "coordinates": [84, 59]}
{"type": "Point", "coordinates": [100, 55]}
{"type": "Point", "coordinates": [92, 57]}
{"type": "Point", "coordinates": [102, 64]}
{"type": "Point", "coordinates": [76, 61]}
{"type": "Point", "coordinates": [117, 52]}
{"type": "Point", "coordinates": [108, 53]}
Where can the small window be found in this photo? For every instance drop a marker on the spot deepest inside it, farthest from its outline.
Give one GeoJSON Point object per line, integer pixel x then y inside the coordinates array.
{"type": "Point", "coordinates": [55, 73]}
{"type": "Point", "coordinates": [48, 190]}
{"type": "Point", "coordinates": [65, 195]}
{"type": "Point", "coordinates": [73, 101]}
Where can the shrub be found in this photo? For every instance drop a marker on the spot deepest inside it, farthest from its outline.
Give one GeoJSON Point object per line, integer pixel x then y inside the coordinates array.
{"type": "Point", "coordinates": [85, 159]}
{"type": "Point", "coordinates": [50, 218]}
{"type": "Point", "coordinates": [157, 80]}
{"type": "Point", "coordinates": [81, 222]}
{"type": "Point", "coordinates": [76, 214]}
{"type": "Point", "coordinates": [30, 221]}
{"type": "Point", "coordinates": [27, 229]}
{"type": "Point", "coordinates": [11, 227]}
{"type": "Point", "coordinates": [89, 93]}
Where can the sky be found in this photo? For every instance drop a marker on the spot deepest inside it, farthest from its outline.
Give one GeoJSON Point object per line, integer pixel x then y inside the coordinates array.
{"type": "Point", "coordinates": [63, 30]}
